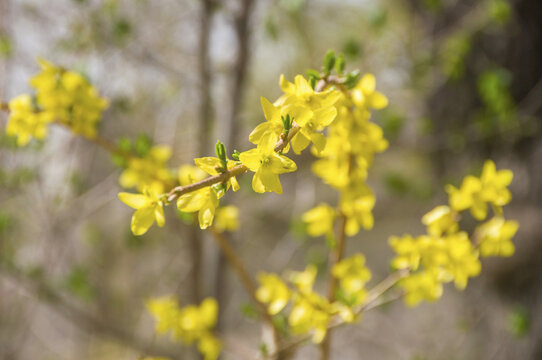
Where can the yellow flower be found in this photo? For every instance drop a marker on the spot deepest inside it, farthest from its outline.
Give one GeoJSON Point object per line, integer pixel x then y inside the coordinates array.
{"type": "Point", "coordinates": [408, 252]}
{"type": "Point", "coordinates": [421, 286]}
{"type": "Point", "coordinates": [69, 98]}
{"type": "Point", "coordinates": [495, 184]}
{"type": "Point", "coordinates": [353, 275]}
{"type": "Point", "coordinates": [357, 204]}
{"type": "Point", "coordinates": [148, 172]}
{"type": "Point", "coordinates": [304, 280]}
{"type": "Point", "coordinates": [209, 346]}
{"type": "Point", "coordinates": [165, 311]}
{"type": "Point", "coordinates": [227, 218]}
{"type": "Point", "coordinates": [309, 127]}
{"type": "Point", "coordinates": [475, 193]}
{"type": "Point", "coordinates": [267, 165]}
{"type": "Point", "coordinates": [462, 260]}
{"type": "Point", "coordinates": [440, 220]}
{"type": "Point", "coordinates": [188, 324]}
{"type": "Point", "coordinates": [301, 93]}
{"type": "Point", "coordinates": [148, 209]}
{"type": "Point", "coordinates": [272, 291]}
{"type": "Point", "coordinates": [310, 312]}
{"type": "Point", "coordinates": [204, 201]}
{"type": "Point", "coordinates": [320, 220]}
{"type": "Point", "coordinates": [273, 115]}
{"type": "Point", "coordinates": [25, 122]}
{"type": "Point", "coordinates": [496, 237]}
{"type": "Point", "coordinates": [469, 195]}
{"type": "Point", "coordinates": [212, 166]}
{"type": "Point", "coordinates": [365, 96]}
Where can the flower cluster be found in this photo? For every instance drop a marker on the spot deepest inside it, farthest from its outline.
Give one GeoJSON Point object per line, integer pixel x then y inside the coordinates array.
{"type": "Point", "coordinates": [61, 95]}
{"type": "Point", "coordinates": [343, 163]}
{"type": "Point", "coordinates": [25, 122]}
{"type": "Point", "coordinates": [446, 253]}
{"type": "Point", "coordinates": [310, 312]}
{"type": "Point", "coordinates": [188, 324]}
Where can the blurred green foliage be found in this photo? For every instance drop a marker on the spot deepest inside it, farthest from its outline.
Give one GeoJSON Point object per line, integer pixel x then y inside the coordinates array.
{"type": "Point", "coordinates": [78, 283]}
{"type": "Point", "coordinates": [519, 322]}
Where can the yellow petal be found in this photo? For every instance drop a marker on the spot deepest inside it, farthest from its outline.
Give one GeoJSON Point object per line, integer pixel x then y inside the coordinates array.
{"type": "Point", "coordinates": [300, 142]}
{"type": "Point", "coordinates": [267, 143]}
{"type": "Point", "coordinates": [208, 164]}
{"type": "Point", "coordinates": [270, 180]}
{"type": "Point", "coordinates": [191, 202]}
{"type": "Point", "coordinates": [159, 215]}
{"type": "Point", "coordinates": [142, 220]}
{"type": "Point", "coordinates": [251, 159]}
{"type": "Point", "coordinates": [136, 201]}
{"type": "Point", "coordinates": [256, 134]}
{"type": "Point", "coordinates": [367, 84]}
{"type": "Point", "coordinates": [319, 141]}
{"type": "Point", "coordinates": [302, 86]}
{"type": "Point", "coordinates": [286, 86]}
{"type": "Point", "coordinates": [270, 112]}
{"type": "Point", "coordinates": [378, 101]}
{"type": "Point", "coordinates": [280, 164]}
{"type": "Point", "coordinates": [325, 116]}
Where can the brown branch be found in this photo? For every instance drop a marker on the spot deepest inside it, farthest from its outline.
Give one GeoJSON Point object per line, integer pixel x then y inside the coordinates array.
{"type": "Point", "coordinates": [246, 280]}
{"type": "Point", "coordinates": [335, 257]}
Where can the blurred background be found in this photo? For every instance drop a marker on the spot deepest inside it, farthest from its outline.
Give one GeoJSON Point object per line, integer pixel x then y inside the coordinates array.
{"type": "Point", "coordinates": [464, 80]}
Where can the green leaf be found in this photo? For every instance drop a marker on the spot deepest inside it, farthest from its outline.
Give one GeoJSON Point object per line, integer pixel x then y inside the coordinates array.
{"type": "Point", "coordinates": [329, 61]}
{"type": "Point", "coordinates": [340, 64]}
{"type": "Point", "coordinates": [352, 79]}
{"type": "Point", "coordinates": [143, 145]}
{"type": "Point", "coordinates": [313, 73]}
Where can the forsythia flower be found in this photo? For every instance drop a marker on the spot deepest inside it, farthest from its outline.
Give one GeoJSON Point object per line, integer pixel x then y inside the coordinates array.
{"type": "Point", "coordinates": [421, 286]}
{"type": "Point", "coordinates": [273, 115]}
{"type": "Point", "coordinates": [25, 122]}
{"type": "Point", "coordinates": [148, 172]}
{"type": "Point", "coordinates": [149, 208]}
{"type": "Point", "coordinates": [353, 275]}
{"type": "Point", "coordinates": [212, 166]}
{"type": "Point", "coordinates": [310, 312]}
{"type": "Point", "coordinates": [301, 93]}
{"type": "Point", "coordinates": [475, 193]}
{"type": "Point", "coordinates": [272, 291]}
{"type": "Point", "coordinates": [462, 259]}
{"type": "Point", "coordinates": [227, 218]}
{"type": "Point", "coordinates": [495, 237]}
{"type": "Point", "coordinates": [69, 98]}
{"type": "Point", "coordinates": [357, 205]}
{"type": "Point", "coordinates": [364, 94]}
{"type": "Point", "coordinates": [320, 220]}
{"type": "Point", "coordinates": [204, 201]}
{"type": "Point", "coordinates": [304, 280]}
{"type": "Point", "coordinates": [188, 324]}
{"type": "Point", "coordinates": [408, 252]}
{"type": "Point", "coordinates": [267, 165]}
{"type": "Point", "coordinates": [440, 220]}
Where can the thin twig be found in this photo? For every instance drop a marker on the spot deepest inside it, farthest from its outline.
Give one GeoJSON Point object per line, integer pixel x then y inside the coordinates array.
{"type": "Point", "coordinates": [335, 257]}
{"type": "Point", "coordinates": [243, 275]}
